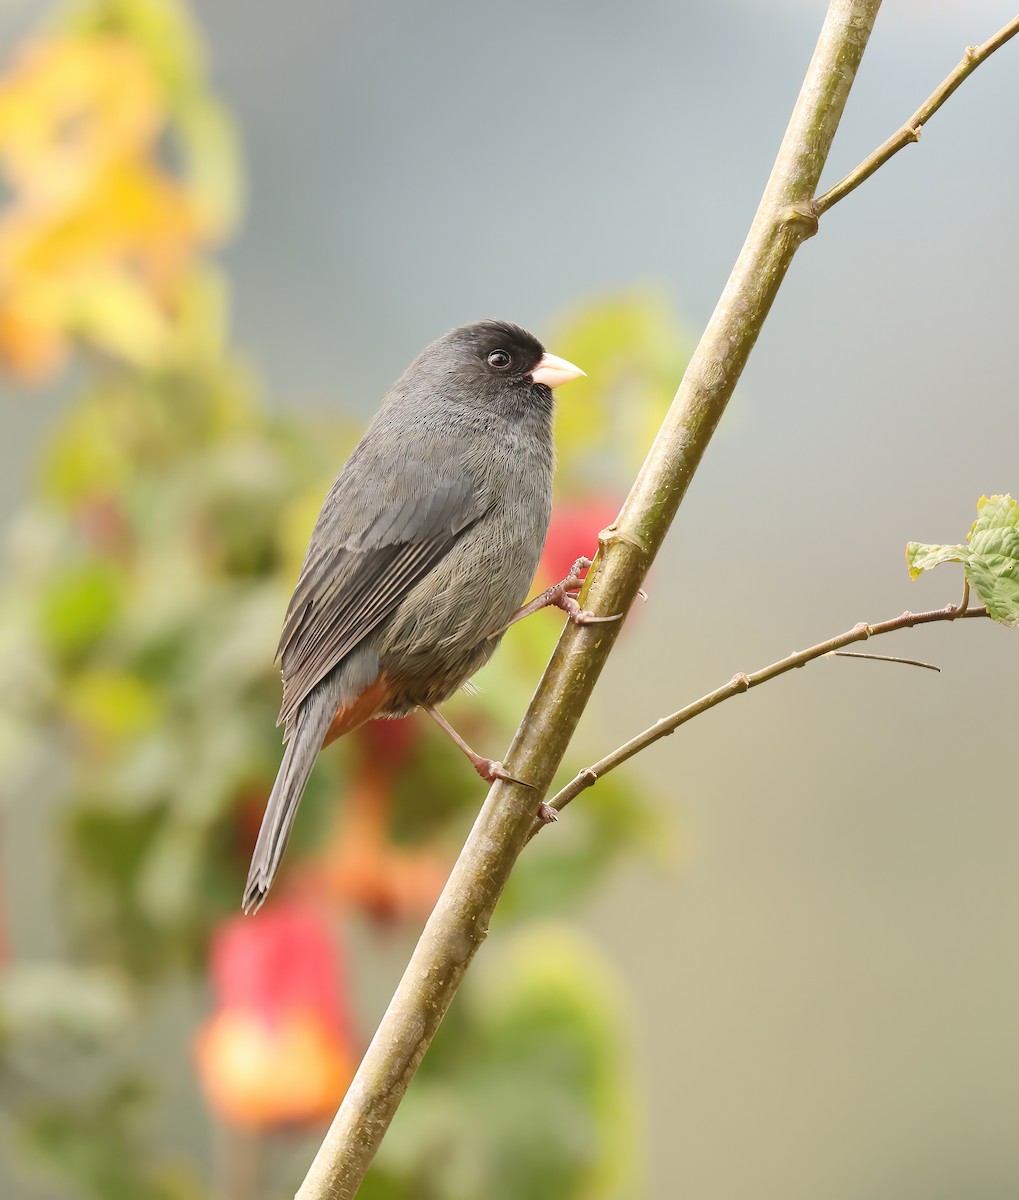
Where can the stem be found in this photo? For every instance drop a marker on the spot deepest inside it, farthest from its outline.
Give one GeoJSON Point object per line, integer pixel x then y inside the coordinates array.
{"type": "Point", "coordinates": [743, 683]}
{"type": "Point", "coordinates": [460, 919]}
{"type": "Point", "coordinates": [910, 132]}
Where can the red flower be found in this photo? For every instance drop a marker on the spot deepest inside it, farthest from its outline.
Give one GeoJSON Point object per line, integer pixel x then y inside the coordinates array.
{"type": "Point", "coordinates": [278, 1050]}
{"type": "Point", "coordinates": [573, 533]}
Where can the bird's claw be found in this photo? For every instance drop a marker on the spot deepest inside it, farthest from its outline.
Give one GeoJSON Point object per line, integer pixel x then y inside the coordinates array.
{"type": "Point", "coordinates": [560, 595]}
{"type": "Point", "coordinates": [491, 769]}
{"type": "Point", "coordinates": [546, 813]}
{"type": "Point", "coordinates": [581, 616]}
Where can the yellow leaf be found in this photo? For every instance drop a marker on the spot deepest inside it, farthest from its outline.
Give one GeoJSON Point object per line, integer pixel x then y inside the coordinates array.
{"type": "Point", "coordinates": [100, 241]}
{"type": "Point", "coordinates": [69, 109]}
{"type": "Point", "coordinates": [111, 705]}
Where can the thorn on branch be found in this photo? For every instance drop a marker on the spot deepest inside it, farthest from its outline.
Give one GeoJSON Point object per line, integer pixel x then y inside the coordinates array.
{"type": "Point", "coordinates": [906, 662]}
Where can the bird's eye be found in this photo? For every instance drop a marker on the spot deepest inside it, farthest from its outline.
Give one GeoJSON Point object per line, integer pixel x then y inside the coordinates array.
{"type": "Point", "coordinates": [499, 359]}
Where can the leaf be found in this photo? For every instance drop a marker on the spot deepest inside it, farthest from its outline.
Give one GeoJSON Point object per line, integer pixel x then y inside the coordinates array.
{"type": "Point", "coordinates": [100, 239]}
{"type": "Point", "coordinates": [78, 606]}
{"type": "Point", "coordinates": [112, 705]}
{"type": "Point", "coordinates": [167, 36]}
{"type": "Point", "coordinates": [993, 568]}
{"type": "Point", "coordinates": [210, 150]}
{"type": "Point", "coordinates": [921, 558]}
{"type": "Point", "coordinates": [991, 559]}
{"type": "Point", "coordinates": [634, 350]}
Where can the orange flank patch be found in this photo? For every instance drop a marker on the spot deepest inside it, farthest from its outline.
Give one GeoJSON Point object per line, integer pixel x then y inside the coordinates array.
{"type": "Point", "coordinates": [370, 703]}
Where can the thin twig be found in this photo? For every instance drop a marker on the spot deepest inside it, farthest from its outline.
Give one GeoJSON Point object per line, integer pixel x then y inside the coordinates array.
{"type": "Point", "coordinates": [892, 658]}
{"type": "Point", "coordinates": [743, 683]}
{"type": "Point", "coordinates": [910, 132]}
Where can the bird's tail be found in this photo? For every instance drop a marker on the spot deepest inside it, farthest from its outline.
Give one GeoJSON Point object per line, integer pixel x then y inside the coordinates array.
{"type": "Point", "coordinates": [303, 744]}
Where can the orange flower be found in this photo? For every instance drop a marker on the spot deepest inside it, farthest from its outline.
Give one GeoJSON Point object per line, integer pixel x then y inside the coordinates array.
{"type": "Point", "coordinates": [278, 1051]}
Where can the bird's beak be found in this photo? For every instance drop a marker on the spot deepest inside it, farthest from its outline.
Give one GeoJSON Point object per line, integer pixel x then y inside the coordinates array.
{"type": "Point", "coordinates": [552, 371]}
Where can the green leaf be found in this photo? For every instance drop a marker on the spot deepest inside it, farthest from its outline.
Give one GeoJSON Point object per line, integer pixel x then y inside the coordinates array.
{"type": "Point", "coordinates": [921, 558]}
{"type": "Point", "coordinates": [991, 559]}
{"type": "Point", "coordinates": [111, 705]}
{"type": "Point", "coordinates": [634, 351]}
{"type": "Point", "coordinates": [993, 568]}
{"type": "Point", "coordinates": [78, 606]}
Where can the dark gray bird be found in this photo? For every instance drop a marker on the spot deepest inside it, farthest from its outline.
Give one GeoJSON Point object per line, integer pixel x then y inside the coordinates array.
{"type": "Point", "coordinates": [423, 552]}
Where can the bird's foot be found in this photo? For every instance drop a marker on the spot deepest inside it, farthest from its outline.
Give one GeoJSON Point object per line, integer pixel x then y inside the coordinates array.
{"type": "Point", "coordinates": [560, 595]}
{"type": "Point", "coordinates": [491, 769]}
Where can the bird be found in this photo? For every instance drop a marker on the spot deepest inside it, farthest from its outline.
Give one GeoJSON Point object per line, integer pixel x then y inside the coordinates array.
{"type": "Point", "coordinates": [421, 557]}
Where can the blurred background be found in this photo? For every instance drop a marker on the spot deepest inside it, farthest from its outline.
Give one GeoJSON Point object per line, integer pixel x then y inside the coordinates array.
{"type": "Point", "coordinates": [776, 956]}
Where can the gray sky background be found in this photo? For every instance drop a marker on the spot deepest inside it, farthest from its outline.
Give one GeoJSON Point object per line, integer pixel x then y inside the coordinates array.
{"type": "Point", "coordinates": [825, 981]}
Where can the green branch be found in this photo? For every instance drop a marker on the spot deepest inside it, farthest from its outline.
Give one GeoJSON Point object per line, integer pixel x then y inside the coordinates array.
{"type": "Point", "coordinates": [460, 919]}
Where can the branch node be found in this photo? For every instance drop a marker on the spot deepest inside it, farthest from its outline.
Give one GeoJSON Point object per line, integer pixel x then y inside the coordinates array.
{"type": "Point", "coordinates": [741, 682]}
{"type": "Point", "coordinates": [913, 132]}
{"type": "Point", "coordinates": [613, 533]}
{"type": "Point", "coordinates": [800, 218]}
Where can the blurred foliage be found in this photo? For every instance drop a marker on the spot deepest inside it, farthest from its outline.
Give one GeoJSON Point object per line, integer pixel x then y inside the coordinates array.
{"type": "Point", "coordinates": [101, 1151]}
{"type": "Point", "coordinates": [101, 241]}
{"type": "Point", "coordinates": [633, 353]}
{"type": "Point", "coordinates": [526, 1089]}
{"type": "Point", "coordinates": [146, 579]}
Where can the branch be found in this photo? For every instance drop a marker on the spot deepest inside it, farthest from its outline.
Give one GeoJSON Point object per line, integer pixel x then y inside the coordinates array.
{"type": "Point", "coordinates": [459, 922]}
{"type": "Point", "coordinates": [743, 683]}
{"type": "Point", "coordinates": [910, 132]}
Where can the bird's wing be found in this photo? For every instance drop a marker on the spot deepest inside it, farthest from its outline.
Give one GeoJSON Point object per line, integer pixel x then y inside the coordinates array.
{"type": "Point", "coordinates": [352, 580]}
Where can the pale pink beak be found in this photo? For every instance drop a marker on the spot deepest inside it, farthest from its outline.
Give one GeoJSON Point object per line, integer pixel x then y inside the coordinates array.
{"type": "Point", "coordinates": [552, 371]}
